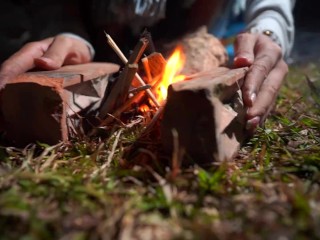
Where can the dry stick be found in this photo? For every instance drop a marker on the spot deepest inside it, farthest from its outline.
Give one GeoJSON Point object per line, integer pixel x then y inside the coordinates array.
{"type": "Point", "coordinates": [153, 121]}
{"type": "Point", "coordinates": [119, 92]}
{"type": "Point", "coordinates": [123, 58]}
{"type": "Point", "coordinates": [138, 50]}
{"type": "Point", "coordinates": [122, 108]}
{"type": "Point", "coordinates": [151, 48]}
{"type": "Point", "coordinates": [107, 164]}
{"type": "Point", "coordinates": [117, 95]}
{"type": "Point", "coordinates": [104, 167]}
{"type": "Point", "coordinates": [146, 67]}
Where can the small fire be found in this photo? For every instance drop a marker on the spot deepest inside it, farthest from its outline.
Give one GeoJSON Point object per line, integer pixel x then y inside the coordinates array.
{"type": "Point", "coordinates": [170, 75]}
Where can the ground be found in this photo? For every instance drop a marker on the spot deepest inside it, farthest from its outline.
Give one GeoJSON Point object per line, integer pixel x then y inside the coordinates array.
{"type": "Point", "coordinates": [80, 190]}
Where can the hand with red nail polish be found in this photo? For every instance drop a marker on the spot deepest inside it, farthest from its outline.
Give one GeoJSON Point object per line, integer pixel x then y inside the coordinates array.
{"type": "Point", "coordinates": [47, 54]}
{"type": "Point", "coordinates": [267, 70]}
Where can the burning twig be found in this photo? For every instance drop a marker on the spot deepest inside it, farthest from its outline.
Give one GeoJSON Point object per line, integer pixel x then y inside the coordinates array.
{"type": "Point", "coordinates": [139, 89]}
{"type": "Point", "coordinates": [146, 67]}
{"type": "Point", "coordinates": [151, 48]}
{"type": "Point", "coordinates": [114, 46]}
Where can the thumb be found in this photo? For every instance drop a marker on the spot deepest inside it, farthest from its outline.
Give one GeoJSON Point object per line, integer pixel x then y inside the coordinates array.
{"type": "Point", "coordinates": [64, 50]}
{"type": "Point", "coordinates": [55, 55]}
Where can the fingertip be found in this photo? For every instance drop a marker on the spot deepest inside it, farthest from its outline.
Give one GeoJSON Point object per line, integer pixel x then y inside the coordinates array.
{"type": "Point", "coordinates": [242, 61]}
{"type": "Point", "coordinates": [253, 123]}
{"type": "Point", "coordinates": [46, 63]}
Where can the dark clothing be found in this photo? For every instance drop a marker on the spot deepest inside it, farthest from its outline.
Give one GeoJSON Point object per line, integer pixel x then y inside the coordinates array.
{"type": "Point", "coordinates": [23, 21]}
{"type": "Point", "coordinates": [29, 20]}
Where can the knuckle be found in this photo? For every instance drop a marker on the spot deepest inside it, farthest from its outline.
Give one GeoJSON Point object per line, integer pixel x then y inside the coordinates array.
{"type": "Point", "coordinates": [270, 46]}
{"type": "Point", "coordinates": [242, 37]}
{"type": "Point", "coordinates": [272, 90]}
{"type": "Point", "coordinates": [260, 68]}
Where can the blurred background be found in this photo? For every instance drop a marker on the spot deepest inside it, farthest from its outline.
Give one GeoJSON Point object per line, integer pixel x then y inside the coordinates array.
{"type": "Point", "coordinates": [19, 25]}
{"type": "Point", "coordinates": [307, 37]}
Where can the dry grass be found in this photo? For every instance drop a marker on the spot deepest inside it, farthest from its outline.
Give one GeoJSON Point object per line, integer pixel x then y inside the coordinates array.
{"type": "Point", "coordinates": [81, 190]}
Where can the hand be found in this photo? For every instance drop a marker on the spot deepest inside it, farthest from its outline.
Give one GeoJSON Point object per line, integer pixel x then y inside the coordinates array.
{"type": "Point", "coordinates": [264, 78]}
{"type": "Point", "coordinates": [47, 54]}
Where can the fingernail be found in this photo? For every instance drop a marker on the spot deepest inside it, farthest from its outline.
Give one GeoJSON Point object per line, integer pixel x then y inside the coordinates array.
{"type": "Point", "coordinates": [241, 61]}
{"type": "Point", "coordinates": [253, 123]}
{"type": "Point", "coordinates": [46, 63]}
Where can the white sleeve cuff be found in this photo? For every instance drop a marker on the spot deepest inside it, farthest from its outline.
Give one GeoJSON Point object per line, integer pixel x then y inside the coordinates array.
{"type": "Point", "coordinates": [272, 24]}
{"type": "Point", "coordinates": [90, 47]}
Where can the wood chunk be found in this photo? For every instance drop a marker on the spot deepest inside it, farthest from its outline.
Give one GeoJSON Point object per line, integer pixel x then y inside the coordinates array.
{"type": "Point", "coordinates": [208, 114]}
{"type": "Point", "coordinates": [35, 105]}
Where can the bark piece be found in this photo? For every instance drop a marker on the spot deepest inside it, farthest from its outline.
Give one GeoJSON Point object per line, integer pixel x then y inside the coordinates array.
{"type": "Point", "coordinates": [208, 114]}
{"type": "Point", "coordinates": [35, 105]}
{"type": "Point", "coordinates": [202, 50]}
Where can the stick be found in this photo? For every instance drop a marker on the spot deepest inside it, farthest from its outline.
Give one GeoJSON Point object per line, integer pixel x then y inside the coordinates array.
{"type": "Point", "coordinates": [120, 110]}
{"type": "Point", "coordinates": [119, 92]}
{"type": "Point", "coordinates": [151, 48]}
{"type": "Point", "coordinates": [138, 50]}
{"type": "Point", "coordinates": [153, 121]}
{"type": "Point", "coordinates": [123, 58]}
{"type": "Point", "coordinates": [146, 67]}
{"type": "Point", "coordinates": [139, 89]}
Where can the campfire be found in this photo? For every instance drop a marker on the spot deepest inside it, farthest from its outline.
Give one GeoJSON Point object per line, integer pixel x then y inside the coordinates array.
{"type": "Point", "coordinates": [191, 106]}
{"type": "Point", "coordinates": [199, 117]}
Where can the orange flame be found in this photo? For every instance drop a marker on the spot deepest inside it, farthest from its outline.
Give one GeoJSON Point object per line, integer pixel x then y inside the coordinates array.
{"type": "Point", "coordinates": [144, 108]}
{"type": "Point", "coordinates": [170, 75]}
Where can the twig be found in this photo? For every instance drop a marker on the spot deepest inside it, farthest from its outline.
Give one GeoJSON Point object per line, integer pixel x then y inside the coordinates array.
{"type": "Point", "coordinates": [119, 92]}
{"type": "Point", "coordinates": [120, 110]}
{"type": "Point", "coordinates": [138, 50]}
{"type": "Point", "coordinates": [139, 89]}
{"type": "Point", "coordinates": [151, 48]}
{"type": "Point", "coordinates": [117, 50]}
{"type": "Point", "coordinates": [153, 121]}
{"type": "Point", "coordinates": [111, 154]}
{"type": "Point", "coordinates": [115, 143]}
